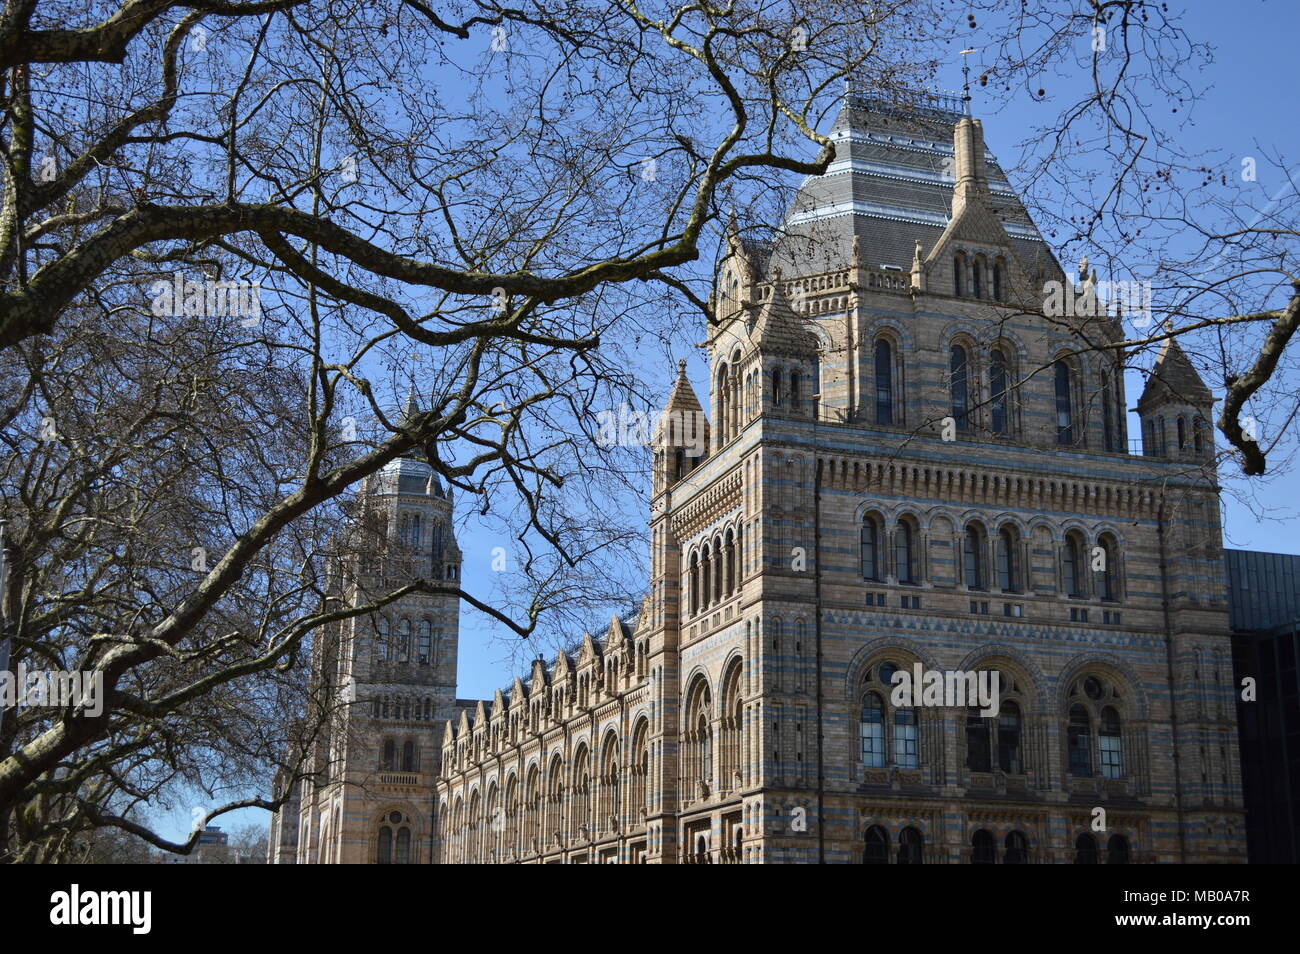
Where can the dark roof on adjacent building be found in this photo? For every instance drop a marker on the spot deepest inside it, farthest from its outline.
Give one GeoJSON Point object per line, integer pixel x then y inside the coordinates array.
{"type": "Point", "coordinates": [1263, 589]}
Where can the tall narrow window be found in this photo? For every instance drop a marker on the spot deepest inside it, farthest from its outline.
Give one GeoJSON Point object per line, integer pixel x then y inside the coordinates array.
{"type": "Point", "coordinates": [1008, 560]}
{"type": "Point", "coordinates": [1108, 574]}
{"type": "Point", "coordinates": [424, 646]}
{"type": "Point", "coordinates": [876, 850]}
{"type": "Point", "coordinates": [795, 382]}
{"type": "Point", "coordinates": [408, 756]}
{"type": "Point", "coordinates": [977, 742]}
{"type": "Point", "coordinates": [958, 271]}
{"type": "Point", "coordinates": [385, 846]}
{"type": "Point", "coordinates": [404, 640]}
{"type": "Point", "coordinates": [1064, 403]}
{"type": "Point", "coordinates": [973, 557]}
{"type": "Point", "coordinates": [884, 382]}
{"type": "Point", "coordinates": [776, 387]}
{"type": "Point", "coordinates": [1198, 434]}
{"type": "Point", "coordinates": [909, 847]}
{"type": "Point", "coordinates": [983, 849]}
{"type": "Point", "coordinates": [907, 753]}
{"type": "Point", "coordinates": [1109, 417]}
{"type": "Point", "coordinates": [1009, 739]}
{"type": "Point", "coordinates": [957, 386]}
{"type": "Point", "coordinates": [1017, 852]}
{"type": "Point", "coordinates": [977, 277]}
{"type": "Point", "coordinates": [903, 553]}
{"type": "Point", "coordinates": [706, 747]}
{"type": "Point", "coordinates": [381, 639]}
{"type": "Point", "coordinates": [998, 391]}
{"type": "Point", "coordinates": [1109, 742]}
{"type": "Point", "coordinates": [1080, 742]}
{"type": "Point", "coordinates": [997, 281]}
{"type": "Point", "coordinates": [1071, 565]}
{"type": "Point", "coordinates": [403, 852]}
{"type": "Point", "coordinates": [389, 762]}
{"type": "Point", "coordinates": [1182, 434]}
{"type": "Point", "coordinates": [1117, 850]}
{"type": "Point", "coordinates": [870, 548]}
{"type": "Point", "coordinates": [871, 729]}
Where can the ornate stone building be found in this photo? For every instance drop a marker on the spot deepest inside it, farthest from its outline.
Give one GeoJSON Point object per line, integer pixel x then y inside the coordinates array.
{"type": "Point", "coordinates": [904, 462]}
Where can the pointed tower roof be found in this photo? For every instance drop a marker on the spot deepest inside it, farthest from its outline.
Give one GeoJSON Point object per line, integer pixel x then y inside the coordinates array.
{"type": "Point", "coordinates": [683, 408]}
{"type": "Point", "coordinates": [1174, 378]}
{"type": "Point", "coordinates": [779, 327]}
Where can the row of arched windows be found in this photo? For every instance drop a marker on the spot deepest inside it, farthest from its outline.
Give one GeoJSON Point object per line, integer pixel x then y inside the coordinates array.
{"type": "Point", "coordinates": [397, 647]}
{"type": "Point", "coordinates": [975, 277]}
{"type": "Point", "coordinates": [740, 401]}
{"type": "Point", "coordinates": [889, 735]}
{"type": "Point", "coordinates": [573, 803]}
{"type": "Point", "coordinates": [897, 553]}
{"type": "Point", "coordinates": [405, 759]}
{"type": "Point", "coordinates": [713, 570]}
{"type": "Point", "coordinates": [1189, 433]}
{"type": "Point", "coordinates": [963, 391]}
{"type": "Point", "coordinates": [394, 840]}
{"type": "Point", "coordinates": [403, 708]}
{"type": "Point", "coordinates": [984, 849]}
{"type": "Point", "coordinates": [701, 772]}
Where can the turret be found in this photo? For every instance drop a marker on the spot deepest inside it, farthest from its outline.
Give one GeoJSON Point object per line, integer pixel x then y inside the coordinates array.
{"type": "Point", "coordinates": [681, 438]}
{"type": "Point", "coordinates": [1175, 407]}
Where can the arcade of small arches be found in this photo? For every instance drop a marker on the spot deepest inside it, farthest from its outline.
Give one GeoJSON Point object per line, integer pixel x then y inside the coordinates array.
{"type": "Point", "coordinates": [590, 799]}
{"type": "Point", "coordinates": [742, 396]}
{"type": "Point", "coordinates": [892, 550]}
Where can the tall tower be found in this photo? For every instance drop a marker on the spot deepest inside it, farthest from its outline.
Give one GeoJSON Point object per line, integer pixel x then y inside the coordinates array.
{"type": "Point", "coordinates": [389, 678]}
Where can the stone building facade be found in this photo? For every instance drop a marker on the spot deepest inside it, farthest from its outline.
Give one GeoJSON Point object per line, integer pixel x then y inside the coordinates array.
{"type": "Point", "coordinates": [905, 461]}
{"type": "Point", "coordinates": [913, 455]}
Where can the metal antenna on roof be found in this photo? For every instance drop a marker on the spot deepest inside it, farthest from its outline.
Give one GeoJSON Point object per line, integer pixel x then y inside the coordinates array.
{"type": "Point", "coordinates": [965, 72]}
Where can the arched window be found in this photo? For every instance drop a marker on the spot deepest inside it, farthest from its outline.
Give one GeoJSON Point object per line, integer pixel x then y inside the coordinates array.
{"type": "Point", "coordinates": [904, 552]}
{"type": "Point", "coordinates": [984, 849]}
{"type": "Point", "coordinates": [1161, 448]}
{"type": "Point", "coordinates": [776, 387]}
{"type": "Point", "coordinates": [1008, 726]}
{"type": "Point", "coordinates": [424, 646]}
{"type": "Point", "coordinates": [385, 846]}
{"type": "Point", "coordinates": [1198, 434]}
{"type": "Point", "coordinates": [706, 746]}
{"type": "Point", "coordinates": [402, 855]}
{"type": "Point", "coordinates": [1079, 734]}
{"type": "Point", "coordinates": [1085, 850]}
{"type": "Point", "coordinates": [1182, 434]}
{"type": "Point", "coordinates": [871, 728]}
{"type": "Point", "coordinates": [1008, 551]}
{"type": "Point", "coordinates": [977, 277]}
{"type": "Point", "coordinates": [417, 533]}
{"type": "Point", "coordinates": [382, 643]}
{"type": "Point", "coordinates": [408, 756]}
{"type": "Point", "coordinates": [998, 391]}
{"type": "Point", "coordinates": [795, 383]}
{"type": "Point", "coordinates": [696, 605]}
{"type": "Point", "coordinates": [389, 761]}
{"type": "Point", "coordinates": [974, 557]}
{"type": "Point", "coordinates": [957, 386]}
{"type": "Point", "coordinates": [1064, 403]}
{"type": "Point", "coordinates": [910, 847]}
{"type": "Point", "coordinates": [997, 281]}
{"type": "Point", "coordinates": [871, 548]}
{"type": "Point", "coordinates": [884, 382]}
{"type": "Point", "coordinates": [706, 574]}
{"type": "Point", "coordinates": [1108, 574]}
{"type": "Point", "coordinates": [701, 850]}
{"type": "Point", "coordinates": [1072, 565]}
{"type": "Point", "coordinates": [1110, 744]}
{"type": "Point", "coordinates": [977, 742]}
{"type": "Point", "coordinates": [876, 846]}
{"type": "Point", "coordinates": [1109, 413]}
{"type": "Point", "coordinates": [404, 640]}
{"type": "Point", "coordinates": [958, 271]}
{"type": "Point", "coordinates": [1117, 850]}
{"type": "Point", "coordinates": [907, 752]}
{"type": "Point", "coordinates": [1017, 850]}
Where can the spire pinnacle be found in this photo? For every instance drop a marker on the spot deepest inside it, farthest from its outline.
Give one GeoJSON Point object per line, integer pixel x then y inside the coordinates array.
{"type": "Point", "coordinates": [965, 72]}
